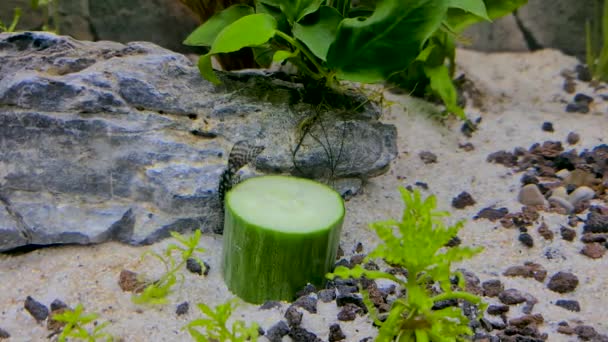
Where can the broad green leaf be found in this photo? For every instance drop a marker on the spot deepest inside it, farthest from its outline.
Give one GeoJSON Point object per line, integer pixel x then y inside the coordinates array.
{"type": "Point", "coordinates": [459, 19]}
{"type": "Point", "coordinates": [476, 7]}
{"type": "Point", "coordinates": [205, 34]}
{"type": "Point", "coordinates": [295, 9]}
{"type": "Point", "coordinates": [263, 54]}
{"type": "Point", "coordinates": [318, 30]}
{"type": "Point", "coordinates": [279, 16]}
{"type": "Point", "coordinates": [251, 30]}
{"type": "Point", "coordinates": [282, 55]}
{"type": "Point", "coordinates": [370, 50]}
{"type": "Point", "coordinates": [442, 85]}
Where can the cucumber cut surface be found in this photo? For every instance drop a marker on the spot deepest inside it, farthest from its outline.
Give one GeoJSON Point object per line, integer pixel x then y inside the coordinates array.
{"type": "Point", "coordinates": [280, 233]}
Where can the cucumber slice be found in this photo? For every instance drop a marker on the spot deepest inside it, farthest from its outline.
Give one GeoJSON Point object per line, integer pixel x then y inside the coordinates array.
{"type": "Point", "coordinates": [280, 233]}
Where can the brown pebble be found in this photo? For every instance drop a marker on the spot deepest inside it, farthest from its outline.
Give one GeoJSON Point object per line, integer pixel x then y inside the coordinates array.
{"type": "Point", "coordinates": [567, 233]}
{"type": "Point", "coordinates": [525, 320]}
{"type": "Point", "coordinates": [492, 287]}
{"type": "Point", "coordinates": [566, 330]}
{"type": "Point", "coordinates": [427, 157]}
{"type": "Point", "coordinates": [129, 282]}
{"type": "Point", "coordinates": [528, 270]}
{"type": "Point", "coordinates": [573, 138]}
{"type": "Point", "coordinates": [593, 250]}
{"type": "Point", "coordinates": [463, 200]}
{"type": "Point", "coordinates": [545, 232]}
{"type": "Point", "coordinates": [563, 282]}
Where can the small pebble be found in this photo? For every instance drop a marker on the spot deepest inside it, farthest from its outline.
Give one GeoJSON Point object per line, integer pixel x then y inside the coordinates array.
{"type": "Point", "coordinates": [348, 312]}
{"type": "Point", "coordinates": [194, 266]}
{"type": "Point", "coordinates": [547, 126]}
{"type": "Point", "coordinates": [567, 233]}
{"type": "Point", "coordinates": [563, 282]}
{"type": "Point", "coordinates": [327, 295]}
{"type": "Point", "coordinates": [511, 297]}
{"type": "Point", "coordinates": [583, 73]}
{"type": "Point", "coordinates": [308, 289]}
{"type": "Point", "coordinates": [560, 191]}
{"type": "Point", "coordinates": [582, 98]}
{"type": "Point", "coordinates": [427, 157]}
{"type": "Point", "coordinates": [308, 303]}
{"type": "Point", "coordinates": [299, 334]}
{"type": "Point", "coordinates": [129, 281]}
{"type": "Point", "coordinates": [531, 195]}
{"type": "Point", "coordinates": [573, 138]}
{"type": "Point", "coordinates": [562, 174]}
{"type": "Point", "coordinates": [58, 304]}
{"type": "Point", "coordinates": [492, 288]}
{"type": "Point", "coordinates": [293, 316]}
{"type": "Point", "coordinates": [582, 108]}
{"type": "Point", "coordinates": [270, 304]}
{"type": "Point", "coordinates": [497, 309]}
{"type": "Point", "coordinates": [491, 214]}
{"type": "Point", "coordinates": [345, 299]}
{"type": "Point", "coordinates": [593, 250]}
{"type": "Point", "coordinates": [4, 334]}
{"type": "Point", "coordinates": [582, 193]}
{"type": "Point", "coordinates": [567, 304]}
{"type": "Point", "coordinates": [335, 333]}
{"type": "Point", "coordinates": [545, 232]}
{"type": "Point", "coordinates": [277, 331]}
{"type": "Point", "coordinates": [467, 147]}
{"type": "Point", "coordinates": [585, 332]}
{"type": "Point", "coordinates": [569, 86]}
{"type": "Point", "coordinates": [182, 308]}
{"type": "Point", "coordinates": [596, 223]}
{"type": "Point", "coordinates": [38, 310]}
{"type": "Point", "coordinates": [560, 202]}
{"type": "Point", "coordinates": [528, 270]}
{"type": "Point", "coordinates": [463, 200]}
{"type": "Point", "coordinates": [526, 239]}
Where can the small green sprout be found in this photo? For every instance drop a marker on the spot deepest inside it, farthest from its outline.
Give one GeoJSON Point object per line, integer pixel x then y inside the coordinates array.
{"type": "Point", "coordinates": [596, 39]}
{"type": "Point", "coordinates": [75, 322]}
{"type": "Point", "coordinates": [417, 243]}
{"type": "Point", "coordinates": [215, 328]}
{"type": "Point", "coordinates": [158, 291]}
{"type": "Point", "coordinates": [13, 25]}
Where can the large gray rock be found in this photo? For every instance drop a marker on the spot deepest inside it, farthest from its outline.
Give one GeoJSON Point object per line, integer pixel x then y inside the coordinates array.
{"type": "Point", "coordinates": [97, 143]}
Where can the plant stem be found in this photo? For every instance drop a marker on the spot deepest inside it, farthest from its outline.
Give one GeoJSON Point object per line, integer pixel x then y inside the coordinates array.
{"type": "Point", "coordinates": [308, 55]}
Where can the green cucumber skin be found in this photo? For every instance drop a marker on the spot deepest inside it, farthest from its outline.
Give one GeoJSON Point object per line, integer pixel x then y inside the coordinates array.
{"type": "Point", "coordinates": [260, 265]}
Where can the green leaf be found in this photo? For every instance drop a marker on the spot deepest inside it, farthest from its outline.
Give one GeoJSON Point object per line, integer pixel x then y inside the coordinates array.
{"type": "Point", "coordinates": [370, 50]}
{"type": "Point", "coordinates": [442, 85]}
{"type": "Point", "coordinates": [248, 31]}
{"type": "Point", "coordinates": [282, 23]}
{"type": "Point", "coordinates": [476, 7]}
{"type": "Point", "coordinates": [251, 30]}
{"type": "Point", "coordinates": [205, 34]}
{"type": "Point", "coordinates": [282, 55]}
{"type": "Point", "coordinates": [295, 9]}
{"type": "Point", "coordinates": [318, 30]}
{"type": "Point", "coordinates": [459, 19]}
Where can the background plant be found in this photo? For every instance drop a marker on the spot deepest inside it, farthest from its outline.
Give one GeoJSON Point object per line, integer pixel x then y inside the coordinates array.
{"type": "Point", "coordinates": [215, 326]}
{"type": "Point", "coordinates": [14, 22]}
{"type": "Point", "coordinates": [417, 243]}
{"type": "Point", "coordinates": [75, 326]}
{"type": "Point", "coordinates": [330, 41]}
{"type": "Point", "coordinates": [158, 291]}
{"type": "Point", "coordinates": [596, 39]}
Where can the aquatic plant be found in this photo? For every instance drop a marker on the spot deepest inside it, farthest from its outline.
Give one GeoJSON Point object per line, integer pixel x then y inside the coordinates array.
{"type": "Point", "coordinates": [596, 39]}
{"type": "Point", "coordinates": [417, 243]}
{"type": "Point", "coordinates": [331, 41]}
{"type": "Point", "coordinates": [14, 22]}
{"type": "Point", "coordinates": [157, 292]}
{"type": "Point", "coordinates": [215, 325]}
{"type": "Point", "coordinates": [75, 326]}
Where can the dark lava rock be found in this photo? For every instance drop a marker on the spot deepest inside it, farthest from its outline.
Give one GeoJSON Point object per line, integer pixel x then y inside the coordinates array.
{"type": "Point", "coordinates": [371, 266]}
{"type": "Point", "coordinates": [492, 287]}
{"type": "Point", "coordinates": [547, 126]}
{"type": "Point", "coordinates": [427, 157]}
{"type": "Point", "coordinates": [299, 334]}
{"type": "Point", "coordinates": [528, 270]}
{"type": "Point", "coordinates": [583, 73]}
{"type": "Point", "coordinates": [526, 239]}
{"type": "Point", "coordinates": [596, 223]}
{"type": "Point", "coordinates": [327, 295]}
{"type": "Point", "coordinates": [308, 303]}
{"type": "Point", "coordinates": [593, 250]}
{"type": "Point", "coordinates": [455, 241]}
{"type": "Point", "coordinates": [347, 289]}
{"type": "Point", "coordinates": [563, 282]}
{"type": "Point", "coordinates": [545, 232]}
{"type": "Point", "coordinates": [442, 304]}
{"type": "Point", "coordinates": [344, 299]}
{"type": "Point", "coordinates": [342, 262]}
{"type": "Point", "coordinates": [308, 289]}
{"type": "Point", "coordinates": [529, 304]}
{"type": "Point", "coordinates": [582, 108]}
{"type": "Point", "coordinates": [585, 332]}
{"type": "Point", "coordinates": [492, 214]}
{"type": "Point", "coordinates": [511, 297]}
{"type": "Point", "coordinates": [505, 158]}
{"type": "Point", "coordinates": [130, 282]}
{"type": "Point", "coordinates": [567, 233]}
{"type": "Point", "coordinates": [58, 304]}
{"type": "Point", "coordinates": [335, 333]}
{"type": "Point", "coordinates": [277, 331]}
{"type": "Point", "coordinates": [38, 310]}
{"type": "Point", "coordinates": [582, 98]}
{"type": "Point", "coordinates": [270, 304]}
{"type": "Point", "coordinates": [357, 259]}
{"type": "Point", "coordinates": [497, 309]}
{"type": "Point", "coordinates": [182, 308]}
{"type": "Point", "coordinates": [194, 266]}
{"type": "Point", "coordinates": [568, 304]}
{"type": "Point", "coordinates": [573, 138]}
{"type": "Point", "coordinates": [4, 333]}
{"type": "Point", "coordinates": [349, 312]}
{"type": "Point", "coordinates": [293, 316]}
{"type": "Point", "coordinates": [463, 200]}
